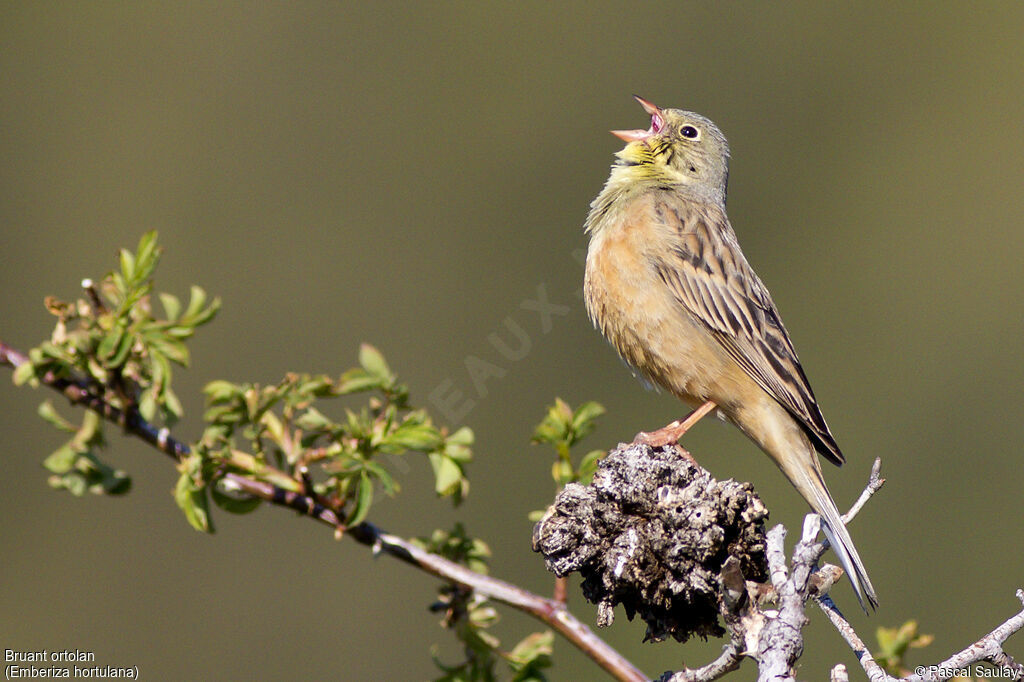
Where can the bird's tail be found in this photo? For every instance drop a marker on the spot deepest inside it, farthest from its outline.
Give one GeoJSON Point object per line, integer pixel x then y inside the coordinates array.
{"type": "Point", "coordinates": [809, 482]}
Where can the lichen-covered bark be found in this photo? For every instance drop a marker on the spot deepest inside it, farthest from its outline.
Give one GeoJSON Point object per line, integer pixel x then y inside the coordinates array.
{"type": "Point", "coordinates": [652, 533]}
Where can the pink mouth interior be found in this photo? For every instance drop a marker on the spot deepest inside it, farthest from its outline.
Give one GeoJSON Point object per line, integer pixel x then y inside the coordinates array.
{"type": "Point", "coordinates": [657, 123]}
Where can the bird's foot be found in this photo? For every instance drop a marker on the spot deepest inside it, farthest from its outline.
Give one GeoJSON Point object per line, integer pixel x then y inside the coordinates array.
{"type": "Point", "coordinates": [670, 434]}
{"type": "Point", "coordinates": [667, 435]}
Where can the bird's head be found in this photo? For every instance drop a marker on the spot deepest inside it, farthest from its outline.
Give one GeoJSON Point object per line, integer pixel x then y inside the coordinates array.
{"type": "Point", "coordinates": [680, 148]}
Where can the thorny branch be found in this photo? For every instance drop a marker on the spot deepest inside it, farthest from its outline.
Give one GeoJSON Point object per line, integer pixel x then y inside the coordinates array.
{"type": "Point", "coordinates": [549, 611]}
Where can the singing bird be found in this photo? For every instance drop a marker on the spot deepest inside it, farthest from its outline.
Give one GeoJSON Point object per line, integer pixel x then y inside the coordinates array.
{"type": "Point", "coordinates": [667, 285]}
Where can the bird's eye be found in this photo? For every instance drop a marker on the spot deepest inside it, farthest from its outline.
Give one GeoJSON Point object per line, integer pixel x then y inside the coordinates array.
{"type": "Point", "coordinates": [689, 132]}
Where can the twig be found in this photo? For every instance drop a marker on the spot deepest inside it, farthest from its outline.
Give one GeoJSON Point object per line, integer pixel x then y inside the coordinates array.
{"type": "Point", "coordinates": [988, 648]}
{"type": "Point", "coordinates": [561, 591]}
{"type": "Point", "coordinates": [874, 671]}
{"type": "Point", "coordinates": [79, 394]}
{"type": "Point", "coordinates": [728, 661]}
{"type": "Point", "coordinates": [549, 611]}
{"type": "Point", "coordinates": [94, 296]}
{"type": "Point", "coordinates": [875, 483]}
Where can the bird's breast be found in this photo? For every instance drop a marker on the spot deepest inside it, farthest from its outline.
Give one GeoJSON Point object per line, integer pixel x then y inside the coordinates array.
{"type": "Point", "coordinates": [637, 312]}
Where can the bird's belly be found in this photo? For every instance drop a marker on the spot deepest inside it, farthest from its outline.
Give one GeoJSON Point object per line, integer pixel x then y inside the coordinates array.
{"type": "Point", "coordinates": [648, 326]}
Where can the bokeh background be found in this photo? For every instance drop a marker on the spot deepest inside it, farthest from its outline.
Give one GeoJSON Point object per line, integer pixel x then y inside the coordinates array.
{"type": "Point", "coordinates": [410, 174]}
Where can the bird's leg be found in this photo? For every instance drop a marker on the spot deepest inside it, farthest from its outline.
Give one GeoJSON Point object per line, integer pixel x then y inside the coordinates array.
{"type": "Point", "coordinates": [670, 435]}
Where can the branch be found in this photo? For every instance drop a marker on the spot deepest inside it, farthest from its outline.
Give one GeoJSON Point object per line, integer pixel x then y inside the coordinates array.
{"type": "Point", "coordinates": [875, 483]}
{"type": "Point", "coordinates": [780, 643]}
{"type": "Point", "coordinates": [989, 648]}
{"type": "Point", "coordinates": [732, 656]}
{"type": "Point", "coordinates": [867, 661]}
{"type": "Point", "coordinates": [549, 611]}
{"type": "Point", "coordinates": [79, 394]}
{"type": "Point", "coordinates": [775, 639]}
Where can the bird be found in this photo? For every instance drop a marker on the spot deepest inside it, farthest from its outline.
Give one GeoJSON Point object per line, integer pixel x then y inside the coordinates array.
{"type": "Point", "coordinates": [668, 286]}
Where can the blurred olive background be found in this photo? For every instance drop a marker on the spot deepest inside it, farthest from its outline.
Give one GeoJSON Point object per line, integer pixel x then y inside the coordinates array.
{"type": "Point", "coordinates": [411, 174]}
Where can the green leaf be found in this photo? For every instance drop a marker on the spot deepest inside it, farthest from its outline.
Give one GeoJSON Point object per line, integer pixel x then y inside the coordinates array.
{"type": "Point", "coordinates": [588, 466]}
{"type": "Point", "coordinates": [127, 266]}
{"type": "Point", "coordinates": [173, 406]}
{"type": "Point", "coordinates": [111, 342]}
{"type": "Point", "coordinates": [584, 416]}
{"type": "Point", "coordinates": [106, 480]}
{"type": "Point", "coordinates": [315, 386]}
{"type": "Point", "coordinates": [364, 498]}
{"type": "Point", "coordinates": [313, 420]}
{"type": "Point", "coordinates": [562, 472]}
{"type": "Point", "coordinates": [356, 380]}
{"type": "Point", "coordinates": [171, 304]}
{"type": "Point", "coordinates": [160, 342]}
{"type": "Point", "coordinates": [196, 301]}
{"type": "Point", "coordinates": [480, 641]}
{"type": "Point", "coordinates": [124, 347]}
{"type": "Point", "coordinates": [531, 654]}
{"type": "Point", "coordinates": [217, 391]}
{"type": "Point", "coordinates": [274, 426]}
{"type": "Point", "coordinates": [555, 426]}
{"type": "Point", "coordinates": [25, 373]}
{"type": "Point", "coordinates": [384, 478]}
{"type": "Point", "coordinates": [91, 430]}
{"type": "Point", "coordinates": [562, 410]}
{"type": "Point", "coordinates": [192, 501]}
{"type": "Point", "coordinates": [478, 556]}
{"type": "Point", "coordinates": [61, 460]}
{"type": "Point", "coordinates": [464, 436]}
{"type": "Point", "coordinates": [73, 481]}
{"type": "Point", "coordinates": [483, 616]}
{"type": "Point", "coordinates": [117, 282]}
{"type": "Point", "coordinates": [373, 362]}
{"type": "Point", "coordinates": [148, 404]}
{"type": "Point", "coordinates": [97, 371]}
{"type": "Point", "coordinates": [459, 547]}
{"type": "Point", "coordinates": [48, 412]}
{"type": "Point", "coordinates": [79, 471]}
{"type": "Point", "coordinates": [146, 256]}
{"type": "Point", "coordinates": [893, 644]}
{"type": "Point", "coordinates": [447, 474]}
{"type": "Point", "coordinates": [207, 313]}
{"type": "Point", "coordinates": [456, 446]}
{"type": "Point", "coordinates": [415, 437]}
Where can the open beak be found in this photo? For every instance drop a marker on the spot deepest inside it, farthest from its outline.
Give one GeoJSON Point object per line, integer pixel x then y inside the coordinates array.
{"type": "Point", "coordinates": [657, 121]}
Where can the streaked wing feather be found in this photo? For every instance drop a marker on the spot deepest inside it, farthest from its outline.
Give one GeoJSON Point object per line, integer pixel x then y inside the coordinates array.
{"type": "Point", "coordinates": [713, 281]}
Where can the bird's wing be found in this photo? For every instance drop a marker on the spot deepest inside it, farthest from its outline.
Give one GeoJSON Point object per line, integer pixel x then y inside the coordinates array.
{"type": "Point", "coordinates": [712, 280]}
